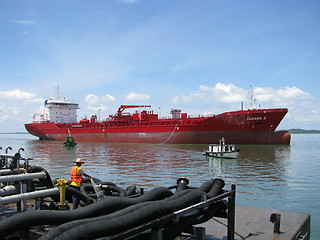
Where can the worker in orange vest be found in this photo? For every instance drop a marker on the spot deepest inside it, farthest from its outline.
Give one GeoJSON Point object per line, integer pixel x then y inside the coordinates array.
{"type": "Point", "coordinates": [76, 179]}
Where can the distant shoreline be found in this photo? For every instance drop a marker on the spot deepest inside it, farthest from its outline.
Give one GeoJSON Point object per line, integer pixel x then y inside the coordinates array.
{"type": "Point", "coordinates": [292, 131]}
{"type": "Point", "coordinates": [14, 133]}
{"type": "Point", "coordinates": [303, 131]}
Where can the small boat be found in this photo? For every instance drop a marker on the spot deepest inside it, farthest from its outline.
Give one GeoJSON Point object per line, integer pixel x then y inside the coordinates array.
{"type": "Point", "coordinates": [222, 150]}
{"type": "Point", "coordinates": [69, 142]}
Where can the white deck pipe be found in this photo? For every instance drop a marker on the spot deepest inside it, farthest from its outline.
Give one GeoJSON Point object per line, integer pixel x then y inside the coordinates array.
{"type": "Point", "coordinates": [24, 176]}
{"type": "Point", "coordinates": [9, 171]}
{"type": "Point", "coordinates": [7, 155]}
{"type": "Point", "coordinates": [29, 195]}
{"type": "Point", "coordinates": [8, 190]}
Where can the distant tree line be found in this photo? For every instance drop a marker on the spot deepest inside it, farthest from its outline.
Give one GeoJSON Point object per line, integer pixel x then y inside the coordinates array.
{"type": "Point", "coordinates": [303, 131]}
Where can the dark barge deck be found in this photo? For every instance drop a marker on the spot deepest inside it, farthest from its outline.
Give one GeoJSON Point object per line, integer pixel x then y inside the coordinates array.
{"type": "Point", "coordinates": [254, 224]}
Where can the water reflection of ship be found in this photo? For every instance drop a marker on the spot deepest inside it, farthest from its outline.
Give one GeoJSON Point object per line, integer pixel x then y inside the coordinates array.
{"type": "Point", "coordinates": [148, 163]}
{"type": "Point", "coordinates": [124, 162]}
{"type": "Point", "coordinates": [219, 166]}
{"type": "Point", "coordinates": [272, 154]}
{"type": "Point", "coordinates": [268, 163]}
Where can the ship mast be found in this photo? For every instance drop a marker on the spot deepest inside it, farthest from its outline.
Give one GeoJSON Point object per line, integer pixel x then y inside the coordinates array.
{"type": "Point", "coordinates": [252, 99]}
{"type": "Point", "coordinates": [59, 97]}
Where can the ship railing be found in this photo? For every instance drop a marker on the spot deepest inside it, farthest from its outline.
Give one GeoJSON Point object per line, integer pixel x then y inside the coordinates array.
{"type": "Point", "coordinates": [189, 117]}
{"type": "Point", "coordinates": [41, 121]}
{"type": "Point", "coordinates": [38, 118]}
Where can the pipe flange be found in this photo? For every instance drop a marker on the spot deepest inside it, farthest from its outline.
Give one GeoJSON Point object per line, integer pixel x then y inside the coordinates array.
{"type": "Point", "coordinates": [217, 180]}
{"type": "Point", "coordinates": [186, 180]}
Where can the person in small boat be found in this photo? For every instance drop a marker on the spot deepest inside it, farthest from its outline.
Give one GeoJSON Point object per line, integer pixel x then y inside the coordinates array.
{"type": "Point", "coordinates": [76, 179]}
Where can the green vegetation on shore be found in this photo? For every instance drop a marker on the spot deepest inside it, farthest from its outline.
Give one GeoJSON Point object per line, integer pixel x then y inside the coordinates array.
{"type": "Point", "coordinates": [303, 131]}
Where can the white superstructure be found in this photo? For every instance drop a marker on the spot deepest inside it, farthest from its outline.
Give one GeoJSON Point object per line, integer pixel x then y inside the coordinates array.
{"type": "Point", "coordinates": [62, 110]}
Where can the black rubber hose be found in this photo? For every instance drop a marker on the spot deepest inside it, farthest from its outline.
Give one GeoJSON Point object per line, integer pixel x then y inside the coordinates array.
{"type": "Point", "coordinates": [68, 225]}
{"type": "Point", "coordinates": [47, 180]}
{"type": "Point", "coordinates": [86, 187]}
{"type": "Point", "coordinates": [87, 200]}
{"type": "Point", "coordinates": [108, 183]}
{"type": "Point", "coordinates": [114, 189]}
{"type": "Point", "coordinates": [216, 187]}
{"type": "Point", "coordinates": [206, 186]}
{"type": "Point", "coordinates": [182, 183]}
{"type": "Point", "coordinates": [96, 180]}
{"type": "Point", "coordinates": [131, 190]}
{"type": "Point", "coordinates": [88, 190]}
{"type": "Point", "coordinates": [185, 224]}
{"type": "Point", "coordinates": [109, 189]}
{"type": "Point", "coordinates": [27, 219]}
{"type": "Point", "coordinates": [126, 218]}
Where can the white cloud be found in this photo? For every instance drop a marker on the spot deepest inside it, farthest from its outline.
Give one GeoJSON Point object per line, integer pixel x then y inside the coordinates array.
{"type": "Point", "coordinates": [92, 99]}
{"type": "Point", "coordinates": [227, 97]}
{"type": "Point", "coordinates": [286, 96]}
{"type": "Point", "coordinates": [17, 94]}
{"type": "Point", "coordinates": [229, 93]}
{"type": "Point", "coordinates": [137, 96]}
{"type": "Point", "coordinates": [128, 1]}
{"type": "Point", "coordinates": [95, 102]}
{"type": "Point", "coordinates": [16, 109]}
{"type": "Point", "coordinates": [225, 93]}
{"type": "Point", "coordinates": [23, 22]}
{"type": "Point", "coordinates": [294, 93]}
{"type": "Point", "coordinates": [109, 98]}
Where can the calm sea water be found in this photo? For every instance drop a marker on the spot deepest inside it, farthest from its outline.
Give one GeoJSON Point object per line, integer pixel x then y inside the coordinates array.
{"type": "Point", "coordinates": [273, 177]}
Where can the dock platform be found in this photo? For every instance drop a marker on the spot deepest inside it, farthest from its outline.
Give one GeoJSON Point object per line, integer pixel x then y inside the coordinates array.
{"type": "Point", "coordinates": [254, 224]}
{"type": "Point", "coordinates": [250, 223]}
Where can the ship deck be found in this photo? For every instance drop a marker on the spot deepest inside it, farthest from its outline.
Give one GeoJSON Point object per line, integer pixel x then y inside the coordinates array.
{"type": "Point", "coordinates": [250, 223]}
{"type": "Point", "coordinates": [254, 224]}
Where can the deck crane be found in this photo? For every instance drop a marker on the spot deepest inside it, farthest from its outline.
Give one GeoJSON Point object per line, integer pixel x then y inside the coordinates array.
{"type": "Point", "coordinates": [123, 107]}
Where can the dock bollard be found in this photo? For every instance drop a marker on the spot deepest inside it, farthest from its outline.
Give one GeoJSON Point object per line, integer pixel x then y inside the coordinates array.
{"type": "Point", "coordinates": [275, 219]}
{"type": "Point", "coordinates": [63, 184]}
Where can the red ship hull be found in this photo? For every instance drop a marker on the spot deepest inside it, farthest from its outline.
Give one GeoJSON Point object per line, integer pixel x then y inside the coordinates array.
{"type": "Point", "coordinates": [239, 127]}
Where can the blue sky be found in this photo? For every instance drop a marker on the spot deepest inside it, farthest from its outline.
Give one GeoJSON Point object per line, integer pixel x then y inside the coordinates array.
{"type": "Point", "coordinates": [199, 56]}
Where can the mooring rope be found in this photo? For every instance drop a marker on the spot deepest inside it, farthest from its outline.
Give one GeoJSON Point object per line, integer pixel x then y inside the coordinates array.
{"type": "Point", "coordinates": [171, 134]}
{"type": "Point", "coordinates": [242, 237]}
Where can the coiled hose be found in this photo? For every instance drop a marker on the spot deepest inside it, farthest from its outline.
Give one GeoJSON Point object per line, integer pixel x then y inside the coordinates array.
{"type": "Point", "coordinates": [110, 204]}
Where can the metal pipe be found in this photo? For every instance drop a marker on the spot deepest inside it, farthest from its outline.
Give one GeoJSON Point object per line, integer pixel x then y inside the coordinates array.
{"type": "Point", "coordinates": [29, 195]}
{"type": "Point", "coordinates": [7, 155]}
{"type": "Point", "coordinates": [8, 190]}
{"type": "Point", "coordinates": [275, 218]}
{"type": "Point", "coordinates": [9, 171]}
{"type": "Point", "coordinates": [231, 212]}
{"type": "Point", "coordinates": [7, 149]}
{"type": "Point", "coordinates": [25, 176]}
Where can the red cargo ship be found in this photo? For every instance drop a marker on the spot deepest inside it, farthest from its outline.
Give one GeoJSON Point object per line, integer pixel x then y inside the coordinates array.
{"type": "Point", "coordinates": [253, 126]}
